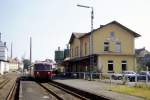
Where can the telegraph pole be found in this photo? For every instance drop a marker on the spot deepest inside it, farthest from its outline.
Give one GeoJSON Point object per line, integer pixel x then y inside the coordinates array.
{"type": "Point", "coordinates": [31, 49]}
{"type": "Point", "coordinates": [30, 53]}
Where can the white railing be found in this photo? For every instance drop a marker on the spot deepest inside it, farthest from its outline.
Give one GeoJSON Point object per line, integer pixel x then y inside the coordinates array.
{"type": "Point", "coordinates": [106, 77]}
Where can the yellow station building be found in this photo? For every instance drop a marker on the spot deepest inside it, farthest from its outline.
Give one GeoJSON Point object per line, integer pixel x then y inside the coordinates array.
{"type": "Point", "coordinates": [113, 50]}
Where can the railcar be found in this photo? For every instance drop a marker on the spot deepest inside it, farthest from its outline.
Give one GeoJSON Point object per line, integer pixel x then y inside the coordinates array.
{"type": "Point", "coordinates": [42, 71]}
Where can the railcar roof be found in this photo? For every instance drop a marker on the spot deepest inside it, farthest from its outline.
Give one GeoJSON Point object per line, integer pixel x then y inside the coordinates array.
{"type": "Point", "coordinates": [43, 63]}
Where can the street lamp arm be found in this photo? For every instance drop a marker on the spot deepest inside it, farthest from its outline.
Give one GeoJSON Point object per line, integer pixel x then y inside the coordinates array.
{"type": "Point", "coordinates": [83, 6]}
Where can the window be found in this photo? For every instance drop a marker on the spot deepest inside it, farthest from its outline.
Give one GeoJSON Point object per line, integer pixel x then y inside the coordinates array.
{"type": "Point", "coordinates": [112, 34]}
{"type": "Point", "coordinates": [72, 52]}
{"type": "Point", "coordinates": [106, 46]}
{"type": "Point", "coordinates": [85, 48]}
{"type": "Point", "coordinates": [110, 66]}
{"type": "Point", "coordinates": [76, 51]}
{"type": "Point", "coordinates": [124, 65]}
{"type": "Point", "coordinates": [41, 67]}
{"type": "Point", "coordinates": [118, 47]}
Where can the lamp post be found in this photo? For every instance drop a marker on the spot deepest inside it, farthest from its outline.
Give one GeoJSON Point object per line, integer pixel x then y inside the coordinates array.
{"type": "Point", "coordinates": [90, 39]}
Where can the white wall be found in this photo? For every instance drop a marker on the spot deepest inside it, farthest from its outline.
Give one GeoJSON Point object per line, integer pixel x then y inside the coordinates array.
{"type": "Point", "coordinates": [13, 66]}
{"type": "Point", "coordinates": [6, 67]}
{"type": "Point", "coordinates": [2, 67]}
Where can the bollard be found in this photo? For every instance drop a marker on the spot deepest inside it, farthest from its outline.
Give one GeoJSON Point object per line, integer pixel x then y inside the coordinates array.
{"type": "Point", "coordinates": [124, 79]}
{"type": "Point", "coordinates": [110, 82]}
{"type": "Point", "coordinates": [100, 76]}
{"type": "Point", "coordinates": [135, 79]}
{"type": "Point", "coordinates": [110, 78]}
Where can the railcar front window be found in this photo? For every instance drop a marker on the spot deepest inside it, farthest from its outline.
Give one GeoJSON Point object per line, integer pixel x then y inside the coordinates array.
{"type": "Point", "coordinates": [42, 67]}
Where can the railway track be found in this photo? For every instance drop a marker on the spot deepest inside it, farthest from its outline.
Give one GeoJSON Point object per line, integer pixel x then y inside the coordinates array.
{"type": "Point", "coordinates": [80, 92]}
{"type": "Point", "coordinates": [14, 91]}
{"type": "Point", "coordinates": [64, 92]}
{"type": "Point", "coordinates": [4, 82]}
{"type": "Point", "coordinates": [59, 93]}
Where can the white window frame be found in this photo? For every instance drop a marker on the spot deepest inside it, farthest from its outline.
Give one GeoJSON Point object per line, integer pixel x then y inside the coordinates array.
{"type": "Point", "coordinates": [118, 47]}
{"type": "Point", "coordinates": [106, 45]}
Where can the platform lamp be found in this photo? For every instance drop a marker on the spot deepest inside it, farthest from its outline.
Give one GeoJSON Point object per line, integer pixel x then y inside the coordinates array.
{"type": "Point", "coordinates": [90, 38]}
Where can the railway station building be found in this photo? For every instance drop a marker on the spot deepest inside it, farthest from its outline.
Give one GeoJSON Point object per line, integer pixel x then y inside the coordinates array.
{"type": "Point", "coordinates": [113, 50]}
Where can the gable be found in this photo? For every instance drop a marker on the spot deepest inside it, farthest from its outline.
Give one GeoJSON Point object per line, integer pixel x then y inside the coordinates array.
{"type": "Point", "coordinates": [119, 25]}
{"type": "Point", "coordinates": [71, 38]}
{"type": "Point", "coordinates": [75, 35]}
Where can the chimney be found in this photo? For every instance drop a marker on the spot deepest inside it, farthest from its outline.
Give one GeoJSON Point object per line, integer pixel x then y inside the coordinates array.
{"type": "Point", "coordinates": [58, 48]}
{"type": "Point", "coordinates": [101, 26]}
{"type": "Point", "coordinates": [67, 46]}
{"type": "Point", "coordinates": [4, 43]}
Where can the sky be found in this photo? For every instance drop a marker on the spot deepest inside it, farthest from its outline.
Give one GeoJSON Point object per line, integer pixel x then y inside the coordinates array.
{"type": "Point", "coordinates": [50, 23]}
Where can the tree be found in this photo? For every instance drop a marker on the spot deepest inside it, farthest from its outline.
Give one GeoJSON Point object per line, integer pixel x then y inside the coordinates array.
{"type": "Point", "coordinates": [26, 63]}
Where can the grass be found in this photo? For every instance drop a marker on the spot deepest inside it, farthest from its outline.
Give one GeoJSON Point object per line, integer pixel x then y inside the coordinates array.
{"type": "Point", "coordinates": [135, 91]}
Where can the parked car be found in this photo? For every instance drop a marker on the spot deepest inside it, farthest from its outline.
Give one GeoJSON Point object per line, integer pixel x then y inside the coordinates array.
{"type": "Point", "coordinates": [117, 76]}
{"type": "Point", "coordinates": [130, 75]}
{"type": "Point", "coordinates": [142, 75]}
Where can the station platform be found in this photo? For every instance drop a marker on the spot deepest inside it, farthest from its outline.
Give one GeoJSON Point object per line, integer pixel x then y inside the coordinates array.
{"type": "Point", "coordinates": [98, 88]}
{"type": "Point", "coordinates": [30, 90]}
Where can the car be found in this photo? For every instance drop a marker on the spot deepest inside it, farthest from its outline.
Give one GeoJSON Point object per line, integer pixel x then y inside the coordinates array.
{"type": "Point", "coordinates": [117, 76]}
{"type": "Point", "coordinates": [130, 75]}
{"type": "Point", "coordinates": [142, 75]}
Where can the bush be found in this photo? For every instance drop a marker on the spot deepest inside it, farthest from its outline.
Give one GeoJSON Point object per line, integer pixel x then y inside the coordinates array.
{"type": "Point", "coordinates": [105, 76]}
{"type": "Point", "coordinates": [144, 86]}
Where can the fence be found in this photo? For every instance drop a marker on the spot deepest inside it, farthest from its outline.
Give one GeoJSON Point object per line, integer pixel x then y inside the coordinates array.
{"type": "Point", "coordinates": [109, 77]}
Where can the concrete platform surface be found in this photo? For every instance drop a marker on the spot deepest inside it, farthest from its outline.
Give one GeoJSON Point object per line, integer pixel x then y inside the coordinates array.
{"type": "Point", "coordinates": [29, 90]}
{"type": "Point", "coordinates": [98, 88]}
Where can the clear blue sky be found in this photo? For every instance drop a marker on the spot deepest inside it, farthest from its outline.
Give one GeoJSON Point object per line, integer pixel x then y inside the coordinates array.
{"type": "Point", "coordinates": [51, 22]}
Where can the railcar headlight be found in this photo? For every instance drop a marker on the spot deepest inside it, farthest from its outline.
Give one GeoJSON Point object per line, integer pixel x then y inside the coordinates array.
{"type": "Point", "coordinates": [37, 72]}
{"type": "Point", "coordinates": [49, 72]}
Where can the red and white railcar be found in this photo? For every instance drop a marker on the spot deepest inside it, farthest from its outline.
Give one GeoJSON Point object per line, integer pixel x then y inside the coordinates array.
{"type": "Point", "coordinates": [42, 70]}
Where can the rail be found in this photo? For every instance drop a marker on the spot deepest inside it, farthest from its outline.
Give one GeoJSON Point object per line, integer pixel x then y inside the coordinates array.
{"type": "Point", "coordinates": [82, 93]}
{"type": "Point", "coordinates": [13, 91]}
{"type": "Point", "coordinates": [50, 91]}
{"type": "Point", "coordinates": [68, 91]}
{"type": "Point", "coordinates": [3, 83]}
